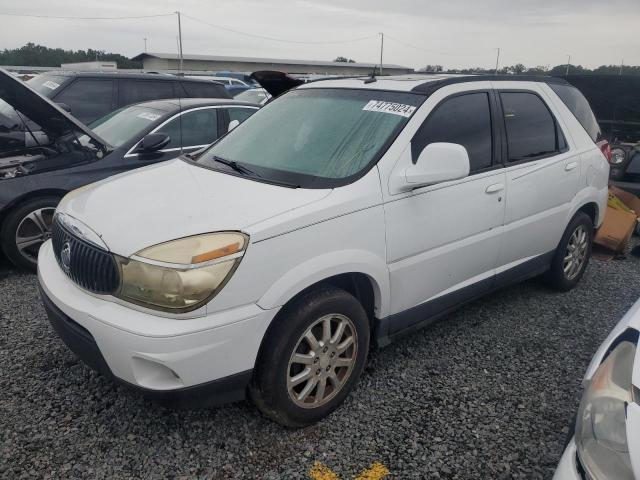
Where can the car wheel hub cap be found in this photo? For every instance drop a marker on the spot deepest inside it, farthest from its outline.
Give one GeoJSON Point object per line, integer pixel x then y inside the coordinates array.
{"type": "Point", "coordinates": [33, 230]}
{"type": "Point", "coordinates": [322, 361]}
{"type": "Point", "coordinates": [576, 253]}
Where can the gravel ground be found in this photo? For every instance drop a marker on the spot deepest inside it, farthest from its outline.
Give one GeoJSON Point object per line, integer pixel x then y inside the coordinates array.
{"type": "Point", "coordinates": [486, 393]}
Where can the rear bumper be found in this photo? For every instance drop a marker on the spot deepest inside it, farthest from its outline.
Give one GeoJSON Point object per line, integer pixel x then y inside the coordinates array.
{"type": "Point", "coordinates": [633, 187]}
{"type": "Point", "coordinates": [81, 342]}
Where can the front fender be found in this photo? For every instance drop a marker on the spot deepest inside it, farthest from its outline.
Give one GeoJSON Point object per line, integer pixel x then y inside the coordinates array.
{"type": "Point", "coordinates": [328, 265]}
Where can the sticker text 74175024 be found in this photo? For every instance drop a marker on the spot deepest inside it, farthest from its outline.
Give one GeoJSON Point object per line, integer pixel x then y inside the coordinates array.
{"type": "Point", "coordinates": [389, 107]}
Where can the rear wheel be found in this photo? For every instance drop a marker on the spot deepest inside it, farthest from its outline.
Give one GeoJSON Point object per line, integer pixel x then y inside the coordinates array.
{"type": "Point", "coordinates": [312, 357]}
{"type": "Point", "coordinates": [25, 229]}
{"type": "Point", "coordinates": [572, 255]}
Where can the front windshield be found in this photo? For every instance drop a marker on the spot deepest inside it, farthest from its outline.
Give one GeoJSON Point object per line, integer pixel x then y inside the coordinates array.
{"type": "Point", "coordinates": [316, 138]}
{"type": "Point", "coordinates": [120, 126]}
{"type": "Point", "coordinates": [45, 84]}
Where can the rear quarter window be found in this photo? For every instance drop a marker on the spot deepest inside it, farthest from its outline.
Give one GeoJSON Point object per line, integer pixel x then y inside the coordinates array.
{"type": "Point", "coordinates": [579, 106]}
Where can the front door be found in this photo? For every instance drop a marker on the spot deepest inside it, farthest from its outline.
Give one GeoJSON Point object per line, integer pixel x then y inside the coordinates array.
{"type": "Point", "coordinates": [443, 240]}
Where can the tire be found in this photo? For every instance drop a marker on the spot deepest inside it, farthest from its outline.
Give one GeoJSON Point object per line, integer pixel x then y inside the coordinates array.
{"type": "Point", "coordinates": [557, 277]}
{"type": "Point", "coordinates": [30, 220]}
{"type": "Point", "coordinates": [276, 365]}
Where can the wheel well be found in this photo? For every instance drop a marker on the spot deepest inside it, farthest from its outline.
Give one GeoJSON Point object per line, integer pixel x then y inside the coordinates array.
{"type": "Point", "coordinates": [590, 209]}
{"type": "Point", "coordinates": [29, 196]}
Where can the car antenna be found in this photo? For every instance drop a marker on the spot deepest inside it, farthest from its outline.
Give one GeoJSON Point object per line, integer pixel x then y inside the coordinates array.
{"type": "Point", "coordinates": [372, 78]}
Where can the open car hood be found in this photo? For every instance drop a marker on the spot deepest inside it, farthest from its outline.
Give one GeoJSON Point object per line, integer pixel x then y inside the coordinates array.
{"type": "Point", "coordinates": [49, 116]}
{"type": "Point", "coordinates": [276, 83]}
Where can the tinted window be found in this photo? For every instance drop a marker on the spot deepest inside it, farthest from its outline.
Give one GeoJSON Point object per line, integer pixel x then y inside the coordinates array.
{"type": "Point", "coordinates": [531, 130]}
{"type": "Point", "coordinates": [199, 127]}
{"type": "Point", "coordinates": [464, 119]}
{"type": "Point", "coordinates": [134, 91]}
{"type": "Point", "coordinates": [240, 114]}
{"type": "Point", "coordinates": [125, 124]}
{"type": "Point", "coordinates": [88, 98]}
{"type": "Point", "coordinates": [575, 101]}
{"type": "Point", "coordinates": [204, 90]}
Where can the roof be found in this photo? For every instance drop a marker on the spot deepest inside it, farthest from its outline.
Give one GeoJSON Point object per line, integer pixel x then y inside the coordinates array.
{"type": "Point", "coordinates": [124, 74]}
{"type": "Point", "coordinates": [422, 83]}
{"type": "Point", "coordinates": [257, 60]}
{"type": "Point", "coordinates": [184, 103]}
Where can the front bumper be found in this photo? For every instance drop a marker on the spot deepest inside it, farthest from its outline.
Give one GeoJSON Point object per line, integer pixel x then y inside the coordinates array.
{"type": "Point", "coordinates": [568, 466]}
{"type": "Point", "coordinates": [181, 362]}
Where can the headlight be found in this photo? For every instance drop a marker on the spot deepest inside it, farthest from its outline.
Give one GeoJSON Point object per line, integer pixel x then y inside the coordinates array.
{"type": "Point", "coordinates": [601, 435]}
{"type": "Point", "coordinates": [617, 156]}
{"type": "Point", "coordinates": [181, 275]}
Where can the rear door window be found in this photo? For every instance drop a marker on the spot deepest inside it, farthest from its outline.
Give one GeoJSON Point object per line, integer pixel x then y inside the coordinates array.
{"type": "Point", "coordinates": [134, 91]}
{"type": "Point", "coordinates": [579, 106]}
{"type": "Point", "coordinates": [192, 129]}
{"type": "Point", "coordinates": [462, 119]}
{"type": "Point", "coordinates": [531, 129]}
{"type": "Point", "coordinates": [88, 98]}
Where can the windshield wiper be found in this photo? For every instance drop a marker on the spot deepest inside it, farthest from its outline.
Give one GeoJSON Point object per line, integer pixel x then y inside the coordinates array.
{"type": "Point", "coordinates": [235, 166]}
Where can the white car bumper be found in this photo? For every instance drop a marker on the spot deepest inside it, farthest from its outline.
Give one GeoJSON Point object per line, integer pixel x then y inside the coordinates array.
{"type": "Point", "coordinates": [568, 467]}
{"type": "Point", "coordinates": [181, 357]}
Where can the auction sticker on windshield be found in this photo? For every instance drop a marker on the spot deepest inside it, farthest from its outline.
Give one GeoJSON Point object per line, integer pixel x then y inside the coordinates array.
{"type": "Point", "coordinates": [149, 116]}
{"type": "Point", "coordinates": [389, 107]}
{"type": "Point", "coordinates": [51, 85]}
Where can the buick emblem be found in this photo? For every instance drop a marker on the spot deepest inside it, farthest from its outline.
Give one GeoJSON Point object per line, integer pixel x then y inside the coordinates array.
{"type": "Point", "coordinates": [65, 257]}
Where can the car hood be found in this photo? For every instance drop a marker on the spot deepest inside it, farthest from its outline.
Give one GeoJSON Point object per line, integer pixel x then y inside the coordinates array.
{"type": "Point", "coordinates": [177, 199]}
{"type": "Point", "coordinates": [49, 116]}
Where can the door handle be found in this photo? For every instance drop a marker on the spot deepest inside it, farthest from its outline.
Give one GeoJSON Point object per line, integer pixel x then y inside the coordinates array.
{"type": "Point", "coordinates": [570, 166]}
{"type": "Point", "coordinates": [496, 187]}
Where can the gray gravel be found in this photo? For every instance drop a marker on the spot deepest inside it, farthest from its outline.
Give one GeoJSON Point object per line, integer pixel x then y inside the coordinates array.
{"type": "Point", "coordinates": [486, 393]}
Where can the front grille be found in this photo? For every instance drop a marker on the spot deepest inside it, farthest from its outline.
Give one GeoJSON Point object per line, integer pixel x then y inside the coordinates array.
{"type": "Point", "coordinates": [91, 267]}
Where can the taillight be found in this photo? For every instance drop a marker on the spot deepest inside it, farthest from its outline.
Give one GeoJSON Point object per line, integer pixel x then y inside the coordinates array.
{"type": "Point", "coordinates": [605, 148]}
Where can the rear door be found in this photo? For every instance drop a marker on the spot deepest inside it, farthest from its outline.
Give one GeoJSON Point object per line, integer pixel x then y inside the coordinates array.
{"type": "Point", "coordinates": [542, 174]}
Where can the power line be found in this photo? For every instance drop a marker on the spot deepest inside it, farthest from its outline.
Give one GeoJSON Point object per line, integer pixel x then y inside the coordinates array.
{"type": "Point", "coordinates": [85, 18]}
{"type": "Point", "coordinates": [262, 37]}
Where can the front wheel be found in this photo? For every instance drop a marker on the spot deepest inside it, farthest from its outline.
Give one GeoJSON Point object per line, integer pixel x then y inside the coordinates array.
{"type": "Point", "coordinates": [572, 255]}
{"type": "Point", "coordinates": [312, 357]}
{"type": "Point", "coordinates": [25, 229]}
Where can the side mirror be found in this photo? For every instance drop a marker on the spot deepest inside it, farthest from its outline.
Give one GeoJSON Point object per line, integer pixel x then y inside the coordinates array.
{"type": "Point", "coordinates": [438, 162]}
{"type": "Point", "coordinates": [65, 107]}
{"type": "Point", "coordinates": [233, 124]}
{"type": "Point", "coordinates": [153, 142]}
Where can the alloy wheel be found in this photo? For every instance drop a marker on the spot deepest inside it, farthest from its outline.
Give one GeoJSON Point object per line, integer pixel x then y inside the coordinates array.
{"type": "Point", "coordinates": [33, 230]}
{"type": "Point", "coordinates": [576, 253]}
{"type": "Point", "coordinates": [322, 361]}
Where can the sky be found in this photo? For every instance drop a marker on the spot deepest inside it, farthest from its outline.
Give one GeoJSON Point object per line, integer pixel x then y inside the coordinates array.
{"type": "Point", "coordinates": [452, 33]}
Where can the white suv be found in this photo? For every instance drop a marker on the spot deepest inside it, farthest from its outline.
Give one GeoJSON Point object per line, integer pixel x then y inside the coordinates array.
{"type": "Point", "coordinates": [345, 212]}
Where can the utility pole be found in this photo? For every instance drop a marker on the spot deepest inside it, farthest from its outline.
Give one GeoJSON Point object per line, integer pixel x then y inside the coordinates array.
{"type": "Point", "coordinates": [497, 59]}
{"type": "Point", "coordinates": [145, 44]}
{"type": "Point", "coordinates": [381, 50]}
{"type": "Point", "coordinates": [621, 66]}
{"type": "Point", "coordinates": [179, 39]}
{"type": "Point", "coordinates": [568, 64]}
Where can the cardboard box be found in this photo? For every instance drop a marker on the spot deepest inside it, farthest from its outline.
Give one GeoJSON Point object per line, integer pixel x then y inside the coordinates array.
{"type": "Point", "coordinates": [616, 229]}
{"type": "Point", "coordinates": [628, 198]}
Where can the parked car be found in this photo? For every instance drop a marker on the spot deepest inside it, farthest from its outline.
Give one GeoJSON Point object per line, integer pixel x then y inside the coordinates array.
{"type": "Point", "coordinates": [605, 444]}
{"type": "Point", "coordinates": [343, 212]}
{"type": "Point", "coordinates": [616, 103]}
{"type": "Point", "coordinates": [89, 96]}
{"type": "Point", "coordinates": [35, 173]}
{"type": "Point", "coordinates": [226, 81]}
{"type": "Point", "coordinates": [254, 95]}
{"type": "Point", "coordinates": [235, 90]}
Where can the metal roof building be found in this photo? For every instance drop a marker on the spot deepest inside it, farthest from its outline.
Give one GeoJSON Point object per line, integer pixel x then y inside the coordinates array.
{"type": "Point", "coordinates": [171, 61]}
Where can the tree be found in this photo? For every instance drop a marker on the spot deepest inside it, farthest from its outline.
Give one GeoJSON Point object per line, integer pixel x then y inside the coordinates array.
{"type": "Point", "coordinates": [40, 56]}
{"type": "Point", "coordinates": [433, 68]}
{"type": "Point", "coordinates": [344, 60]}
{"type": "Point", "coordinates": [516, 69]}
